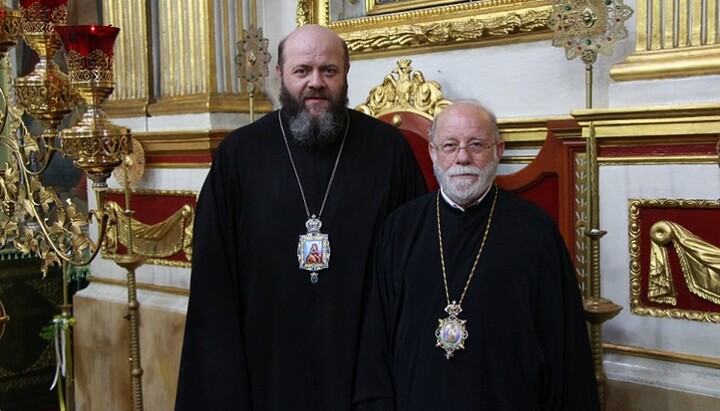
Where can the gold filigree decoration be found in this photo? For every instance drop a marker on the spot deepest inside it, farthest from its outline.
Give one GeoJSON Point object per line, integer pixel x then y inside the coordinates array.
{"type": "Point", "coordinates": [253, 57]}
{"type": "Point", "coordinates": [416, 35]}
{"type": "Point", "coordinates": [699, 260]}
{"type": "Point", "coordinates": [133, 168]}
{"type": "Point", "coordinates": [97, 66]}
{"type": "Point", "coordinates": [405, 90]}
{"type": "Point", "coordinates": [39, 18]}
{"type": "Point", "coordinates": [636, 287]}
{"type": "Point", "coordinates": [302, 13]}
{"type": "Point", "coordinates": [587, 28]}
{"type": "Point", "coordinates": [432, 27]}
{"type": "Point", "coordinates": [35, 220]}
{"type": "Point", "coordinates": [160, 240]}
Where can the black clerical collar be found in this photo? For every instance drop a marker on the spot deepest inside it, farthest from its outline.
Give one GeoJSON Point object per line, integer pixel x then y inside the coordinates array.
{"type": "Point", "coordinates": [457, 206]}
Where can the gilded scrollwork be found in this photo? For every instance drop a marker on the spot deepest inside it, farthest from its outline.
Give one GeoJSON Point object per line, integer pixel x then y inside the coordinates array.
{"type": "Point", "coordinates": [434, 27]}
{"type": "Point", "coordinates": [36, 220]}
{"type": "Point", "coordinates": [699, 261]}
{"type": "Point", "coordinates": [405, 90]}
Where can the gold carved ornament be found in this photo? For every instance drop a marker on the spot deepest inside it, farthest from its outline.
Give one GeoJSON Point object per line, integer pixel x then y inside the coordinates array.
{"type": "Point", "coordinates": [159, 240]}
{"type": "Point", "coordinates": [133, 167]}
{"type": "Point", "coordinates": [585, 28]}
{"type": "Point", "coordinates": [699, 261]}
{"type": "Point", "coordinates": [448, 25]}
{"type": "Point", "coordinates": [405, 90]}
{"type": "Point", "coordinates": [252, 62]}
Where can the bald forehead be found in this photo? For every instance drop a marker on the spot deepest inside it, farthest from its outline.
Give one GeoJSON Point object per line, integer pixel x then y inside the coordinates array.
{"type": "Point", "coordinates": [312, 41]}
{"type": "Point", "coordinates": [315, 33]}
{"type": "Point", "coordinates": [464, 113]}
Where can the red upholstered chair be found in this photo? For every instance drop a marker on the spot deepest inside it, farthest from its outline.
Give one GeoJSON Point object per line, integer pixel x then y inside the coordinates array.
{"type": "Point", "coordinates": [406, 100]}
{"type": "Point", "coordinates": [555, 181]}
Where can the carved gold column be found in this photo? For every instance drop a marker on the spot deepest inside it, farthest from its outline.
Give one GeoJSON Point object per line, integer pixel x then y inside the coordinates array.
{"type": "Point", "coordinates": [134, 72]}
{"type": "Point", "coordinates": [674, 39]}
{"type": "Point", "coordinates": [175, 59]}
{"type": "Point", "coordinates": [197, 70]}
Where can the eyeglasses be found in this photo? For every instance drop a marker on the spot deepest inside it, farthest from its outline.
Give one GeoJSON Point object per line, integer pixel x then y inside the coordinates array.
{"type": "Point", "coordinates": [452, 148]}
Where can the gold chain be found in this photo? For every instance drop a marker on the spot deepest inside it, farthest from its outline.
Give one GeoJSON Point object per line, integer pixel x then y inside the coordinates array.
{"type": "Point", "coordinates": [477, 257]}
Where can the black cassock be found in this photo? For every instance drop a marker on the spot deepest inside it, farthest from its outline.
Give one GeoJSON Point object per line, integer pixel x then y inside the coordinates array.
{"type": "Point", "coordinates": [258, 334]}
{"type": "Point", "coordinates": [527, 347]}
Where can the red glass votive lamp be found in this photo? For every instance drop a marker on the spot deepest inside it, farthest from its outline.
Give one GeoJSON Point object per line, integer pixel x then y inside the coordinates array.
{"type": "Point", "coordinates": [89, 52]}
{"type": "Point", "coordinates": [50, 4]}
{"type": "Point", "coordinates": [84, 40]}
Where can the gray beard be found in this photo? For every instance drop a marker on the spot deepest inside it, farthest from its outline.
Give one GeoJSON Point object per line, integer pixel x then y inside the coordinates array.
{"type": "Point", "coordinates": [461, 192]}
{"type": "Point", "coordinates": [310, 131]}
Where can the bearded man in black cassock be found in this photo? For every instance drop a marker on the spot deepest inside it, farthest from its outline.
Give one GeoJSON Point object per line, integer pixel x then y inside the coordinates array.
{"type": "Point", "coordinates": [264, 331]}
{"type": "Point", "coordinates": [474, 303]}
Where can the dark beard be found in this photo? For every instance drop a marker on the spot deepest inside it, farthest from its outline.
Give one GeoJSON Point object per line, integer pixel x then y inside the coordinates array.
{"type": "Point", "coordinates": [308, 130]}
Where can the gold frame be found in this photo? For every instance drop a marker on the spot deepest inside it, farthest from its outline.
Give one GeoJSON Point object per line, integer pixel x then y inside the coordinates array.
{"type": "Point", "coordinates": [373, 7]}
{"type": "Point", "coordinates": [403, 30]}
{"type": "Point", "coordinates": [636, 305]}
{"type": "Point", "coordinates": [157, 192]}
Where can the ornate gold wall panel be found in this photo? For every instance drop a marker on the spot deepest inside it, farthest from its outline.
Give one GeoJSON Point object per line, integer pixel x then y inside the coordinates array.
{"type": "Point", "coordinates": [674, 39]}
{"type": "Point", "coordinates": [162, 226]}
{"type": "Point", "coordinates": [674, 265]}
{"type": "Point", "coordinates": [433, 28]}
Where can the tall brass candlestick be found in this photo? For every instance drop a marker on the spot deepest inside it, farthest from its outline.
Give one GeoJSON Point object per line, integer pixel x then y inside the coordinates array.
{"type": "Point", "coordinates": [98, 146]}
{"type": "Point", "coordinates": [585, 28]}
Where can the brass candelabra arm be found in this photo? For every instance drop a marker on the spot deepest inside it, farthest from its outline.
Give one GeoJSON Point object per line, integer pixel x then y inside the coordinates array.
{"type": "Point", "coordinates": [37, 221]}
{"type": "Point", "coordinates": [34, 153]}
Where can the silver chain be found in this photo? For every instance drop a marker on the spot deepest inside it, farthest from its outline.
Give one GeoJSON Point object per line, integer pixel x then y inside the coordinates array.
{"type": "Point", "coordinates": [332, 175]}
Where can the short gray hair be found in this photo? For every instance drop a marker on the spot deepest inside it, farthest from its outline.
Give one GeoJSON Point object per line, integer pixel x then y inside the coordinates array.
{"type": "Point", "coordinates": [432, 132]}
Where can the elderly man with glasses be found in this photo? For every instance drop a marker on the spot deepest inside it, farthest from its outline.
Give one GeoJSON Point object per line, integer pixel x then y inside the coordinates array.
{"type": "Point", "coordinates": [474, 303]}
